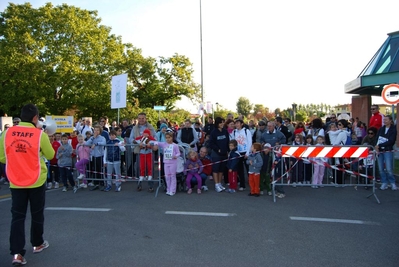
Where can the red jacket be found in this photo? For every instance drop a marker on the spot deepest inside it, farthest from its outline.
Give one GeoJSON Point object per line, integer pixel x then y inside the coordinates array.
{"type": "Point", "coordinates": [55, 146]}
{"type": "Point", "coordinates": [207, 169]}
{"type": "Point", "coordinates": [376, 120]}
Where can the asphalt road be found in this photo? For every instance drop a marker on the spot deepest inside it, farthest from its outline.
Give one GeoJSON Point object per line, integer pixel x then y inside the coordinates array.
{"type": "Point", "coordinates": [309, 227]}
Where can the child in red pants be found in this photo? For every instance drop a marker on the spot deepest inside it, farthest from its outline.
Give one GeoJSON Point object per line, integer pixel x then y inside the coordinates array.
{"type": "Point", "coordinates": [255, 163]}
{"type": "Point", "coordinates": [232, 166]}
{"type": "Point", "coordinates": [146, 142]}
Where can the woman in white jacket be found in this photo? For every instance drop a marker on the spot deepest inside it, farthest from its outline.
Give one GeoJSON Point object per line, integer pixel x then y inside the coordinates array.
{"type": "Point", "coordinates": [338, 138]}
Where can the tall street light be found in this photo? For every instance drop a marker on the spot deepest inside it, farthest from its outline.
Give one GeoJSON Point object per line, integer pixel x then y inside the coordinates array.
{"type": "Point", "coordinates": [202, 76]}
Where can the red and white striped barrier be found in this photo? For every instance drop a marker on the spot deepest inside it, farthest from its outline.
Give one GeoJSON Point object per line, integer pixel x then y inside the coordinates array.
{"type": "Point", "coordinates": [325, 151]}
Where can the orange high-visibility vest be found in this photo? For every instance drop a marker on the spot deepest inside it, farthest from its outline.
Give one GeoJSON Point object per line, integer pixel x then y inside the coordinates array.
{"type": "Point", "coordinates": [22, 155]}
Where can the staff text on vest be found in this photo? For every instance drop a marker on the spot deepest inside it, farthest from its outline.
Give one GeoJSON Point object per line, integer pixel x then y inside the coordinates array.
{"type": "Point", "coordinates": [22, 134]}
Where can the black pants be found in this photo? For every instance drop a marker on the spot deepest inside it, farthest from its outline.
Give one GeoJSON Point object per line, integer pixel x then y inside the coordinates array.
{"type": "Point", "coordinates": [97, 166]}
{"type": "Point", "coordinates": [338, 175]}
{"type": "Point", "coordinates": [241, 169]}
{"type": "Point", "coordinates": [20, 199]}
{"type": "Point", "coordinates": [54, 174]}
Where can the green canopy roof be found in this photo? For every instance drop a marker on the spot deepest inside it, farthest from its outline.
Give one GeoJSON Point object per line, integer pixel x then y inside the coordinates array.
{"type": "Point", "coordinates": [382, 69]}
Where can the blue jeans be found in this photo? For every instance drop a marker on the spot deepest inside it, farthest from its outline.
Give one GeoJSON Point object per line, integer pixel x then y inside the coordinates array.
{"type": "Point", "coordinates": [387, 174]}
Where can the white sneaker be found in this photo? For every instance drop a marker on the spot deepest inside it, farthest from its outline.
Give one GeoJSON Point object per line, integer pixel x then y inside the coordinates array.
{"type": "Point", "coordinates": [241, 189]}
{"type": "Point", "coordinates": [90, 184]}
{"type": "Point", "coordinates": [261, 193]}
{"type": "Point", "coordinates": [141, 178]}
{"type": "Point", "coordinates": [83, 185]}
{"type": "Point", "coordinates": [149, 178]}
{"type": "Point", "coordinates": [49, 185]}
{"type": "Point", "coordinates": [280, 195]}
{"type": "Point", "coordinates": [384, 187]}
{"type": "Point", "coordinates": [394, 187]}
{"type": "Point", "coordinates": [299, 183]}
{"type": "Point", "coordinates": [294, 184]}
{"type": "Point", "coordinates": [204, 187]}
{"type": "Point", "coordinates": [269, 193]}
{"type": "Point", "coordinates": [81, 176]}
{"type": "Point", "coordinates": [222, 187]}
{"type": "Point", "coordinates": [218, 189]}
{"type": "Point", "coordinates": [56, 185]}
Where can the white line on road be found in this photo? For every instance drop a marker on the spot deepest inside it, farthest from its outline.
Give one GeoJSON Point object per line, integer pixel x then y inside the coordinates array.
{"type": "Point", "coordinates": [77, 209]}
{"type": "Point", "coordinates": [311, 219]}
{"type": "Point", "coordinates": [5, 199]}
{"type": "Point", "coordinates": [217, 214]}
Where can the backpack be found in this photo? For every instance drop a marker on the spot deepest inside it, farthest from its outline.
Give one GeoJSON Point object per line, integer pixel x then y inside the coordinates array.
{"type": "Point", "coordinates": [348, 141]}
{"type": "Point", "coordinates": [234, 132]}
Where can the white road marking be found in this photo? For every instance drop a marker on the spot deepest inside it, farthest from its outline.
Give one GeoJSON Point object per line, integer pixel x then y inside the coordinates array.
{"type": "Point", "coordinates": [312, 219]}
{"type": "Point", "coordinates": [216, 214]}
{"type": "Point", "coordinates": [5, 199]}
{"type": "Point", "coordinates": [76, 209]}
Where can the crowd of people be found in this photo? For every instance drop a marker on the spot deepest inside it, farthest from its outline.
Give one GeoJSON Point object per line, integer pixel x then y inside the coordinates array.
{"type": "Point", "coordinates": [231, 152]}
{"type": "Point", "coordinates": [128, 150]}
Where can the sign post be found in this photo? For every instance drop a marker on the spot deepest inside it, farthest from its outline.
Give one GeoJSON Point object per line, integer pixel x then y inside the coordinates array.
{"type": "Point", "coordinates": [159, 108]}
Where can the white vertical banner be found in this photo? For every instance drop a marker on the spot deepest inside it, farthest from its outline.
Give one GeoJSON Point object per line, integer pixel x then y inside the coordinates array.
{"type": "Point", "coordinates": [209, 107]}
{"type": "Point", "coordinates": [201, 110]}
{"type": "Point", "coordinates": [118, 91]}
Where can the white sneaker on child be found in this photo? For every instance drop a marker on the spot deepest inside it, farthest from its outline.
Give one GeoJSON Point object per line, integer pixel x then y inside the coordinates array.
{"type": "Point", "coordinates": [81, 176]}
{"type": "Point", "coordinates": [49, 185]}
{"type": "Point", "coordinates": [56, 185]}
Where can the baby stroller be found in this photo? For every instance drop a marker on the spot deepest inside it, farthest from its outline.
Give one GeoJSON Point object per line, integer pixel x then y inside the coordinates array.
{"type": "Point", "coordinates": [180, 177]}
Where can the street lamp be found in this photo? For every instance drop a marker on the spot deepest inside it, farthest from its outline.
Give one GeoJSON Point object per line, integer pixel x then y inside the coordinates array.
{"type": "Point", "coordinates": [202, 76]}
{"type": "Point", "coordinates": [294, 110]}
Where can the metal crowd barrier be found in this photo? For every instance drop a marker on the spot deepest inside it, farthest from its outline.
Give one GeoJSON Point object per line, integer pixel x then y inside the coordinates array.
{"type": "Point", "coordinates": [296, 167]}
{"type": "Point", "coordinates": [96, 172]}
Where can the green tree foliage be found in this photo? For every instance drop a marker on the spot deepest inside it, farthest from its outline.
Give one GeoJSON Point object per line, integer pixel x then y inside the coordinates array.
{"type": "Point", "coordinates": [244, 107]}
{"type": "Point", "coordinates": [159, 82]}
{"type": "Point", "coordinates": [59, 58]}
{"type": "Point", "coordinates": [301, 115]}
{"type": "Point", "coordinates": [62, 59]}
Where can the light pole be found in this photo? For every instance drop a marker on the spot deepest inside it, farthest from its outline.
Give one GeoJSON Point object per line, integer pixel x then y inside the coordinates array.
{"type": "Point", "coordinates": [294, 110]}
{"type": "Point", "coordinates": [202, 76]}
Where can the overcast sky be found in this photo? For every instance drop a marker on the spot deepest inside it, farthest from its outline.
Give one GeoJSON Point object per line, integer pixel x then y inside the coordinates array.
{"type": "Point", "coordinates": [274, 53]}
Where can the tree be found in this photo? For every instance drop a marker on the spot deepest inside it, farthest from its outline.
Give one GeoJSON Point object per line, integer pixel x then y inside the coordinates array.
{"type": "Point", "coordinates": [62, 59]}
{"type": "Point", "coordinates": [59, 58]}
{"type": "Point", "coordinates": [301, 115]}
{"type": "Point", "coordinates": [160, 82]}
{"type": "Point", "coordinates": [244, 107]}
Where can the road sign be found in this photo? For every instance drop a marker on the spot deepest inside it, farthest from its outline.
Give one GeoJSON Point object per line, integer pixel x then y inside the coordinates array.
{"type": "Point", "coordinates": [390, 94]}
{"type": "Point", "coordinates": [159, 108]}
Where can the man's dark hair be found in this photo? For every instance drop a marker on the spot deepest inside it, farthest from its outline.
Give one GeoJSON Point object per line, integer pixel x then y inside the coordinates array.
{"type": "Point", "coordinates": [218, 120]}
{"type": "Point", "coordinates": [279, 119]}
{"type": "Point", "coordinates": [28, 112]}
{"type": "Point", "coordinates": [288, 119]}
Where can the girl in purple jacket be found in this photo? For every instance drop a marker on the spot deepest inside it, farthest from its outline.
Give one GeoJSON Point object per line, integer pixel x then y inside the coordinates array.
{"type": "Point", "coordinates": [193, 167]}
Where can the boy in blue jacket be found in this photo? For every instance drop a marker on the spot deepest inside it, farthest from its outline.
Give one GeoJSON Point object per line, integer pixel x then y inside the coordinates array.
{"type": "Point", "coordinates": [232, 166]}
